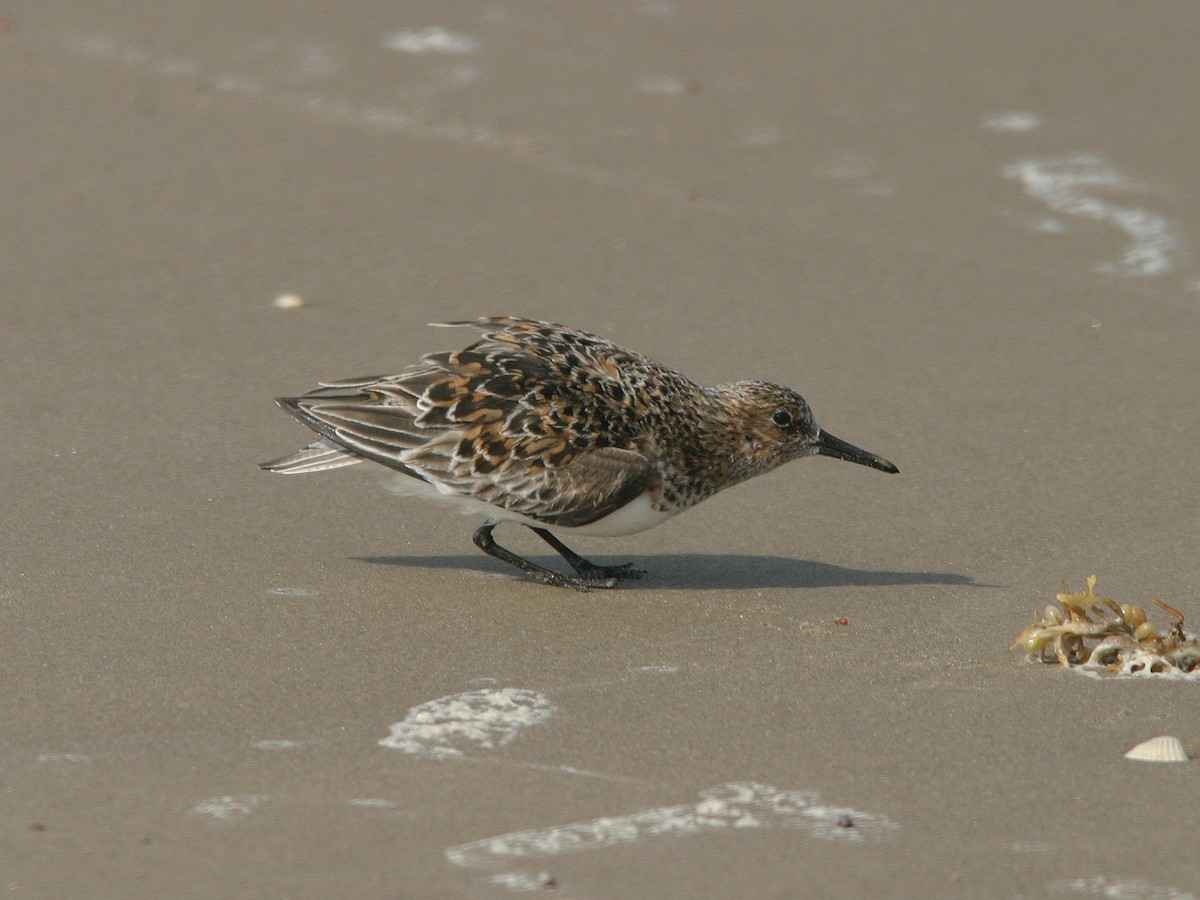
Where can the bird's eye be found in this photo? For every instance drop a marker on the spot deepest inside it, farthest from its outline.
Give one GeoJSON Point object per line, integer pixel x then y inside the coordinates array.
{"type": "Point", "coordinates": [782, 418]}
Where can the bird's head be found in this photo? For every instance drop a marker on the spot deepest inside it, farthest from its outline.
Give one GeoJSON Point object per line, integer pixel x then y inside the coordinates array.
{"type": "Point", "coordinates": [776, 425]}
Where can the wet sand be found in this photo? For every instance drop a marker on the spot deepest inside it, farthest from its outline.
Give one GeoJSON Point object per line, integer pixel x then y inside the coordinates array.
{"type": "Point", "coordinates": [966, 235]}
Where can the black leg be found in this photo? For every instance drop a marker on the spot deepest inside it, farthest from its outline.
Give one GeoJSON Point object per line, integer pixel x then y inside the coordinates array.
{"type": "Point", "coordinates": [589, 571]}
{"type": "Point", "coordinates": [485, 542]}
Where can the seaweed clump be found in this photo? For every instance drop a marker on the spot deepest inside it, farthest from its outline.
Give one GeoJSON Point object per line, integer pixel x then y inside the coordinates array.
{"type": "Point", "coordinates": [1089, 631]}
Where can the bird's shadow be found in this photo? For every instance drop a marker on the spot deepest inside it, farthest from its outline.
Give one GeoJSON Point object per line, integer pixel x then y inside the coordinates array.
{"type": "Point", "coordinates": [691, 571]}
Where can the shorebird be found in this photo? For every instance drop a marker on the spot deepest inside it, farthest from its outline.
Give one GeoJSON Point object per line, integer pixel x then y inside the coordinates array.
{"type": "Point", "coordinates": [561, 431]}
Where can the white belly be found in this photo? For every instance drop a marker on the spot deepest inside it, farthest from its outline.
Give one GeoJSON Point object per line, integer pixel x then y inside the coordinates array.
{"type": "Point", "coordinates": [637, 515]}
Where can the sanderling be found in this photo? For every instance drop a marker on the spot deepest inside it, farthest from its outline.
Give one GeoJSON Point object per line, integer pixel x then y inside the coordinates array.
{"type": "Point", "coordinates": [561, 431]}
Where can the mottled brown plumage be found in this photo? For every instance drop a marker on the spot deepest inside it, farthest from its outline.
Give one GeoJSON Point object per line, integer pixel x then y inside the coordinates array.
{"type": "Point", "coordinates": [559, 429]}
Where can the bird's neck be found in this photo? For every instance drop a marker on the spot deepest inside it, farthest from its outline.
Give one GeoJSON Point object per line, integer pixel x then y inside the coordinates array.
{"type": "Point", "coordinates": [711, 450]}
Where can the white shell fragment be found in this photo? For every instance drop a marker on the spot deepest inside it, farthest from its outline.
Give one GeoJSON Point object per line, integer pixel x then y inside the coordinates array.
{"type": "Point", "coordinates": [289, 301]}
{"type": "Point", "coordinates": [1159, 749]}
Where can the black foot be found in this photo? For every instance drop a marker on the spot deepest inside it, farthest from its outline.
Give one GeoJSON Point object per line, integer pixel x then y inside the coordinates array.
{"type": "Point", "coordinates": [587, 575]}
{"type": "Point", "coordinates": [599, 576]}
{"type": "Point", "coordinates": [581, 582]}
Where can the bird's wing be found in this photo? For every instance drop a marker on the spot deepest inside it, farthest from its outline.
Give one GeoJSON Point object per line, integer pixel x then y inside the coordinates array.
{"type": "Point", "coordinates": [593, 485]}
{"type": "Point", "coordinates": [469, 430]}
{"type": "Point", "coordinates": [529, 418]}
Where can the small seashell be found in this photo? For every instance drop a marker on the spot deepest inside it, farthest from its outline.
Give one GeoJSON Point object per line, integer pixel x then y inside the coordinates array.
{"type": "Point", "coordinates": [289, 301]}
{"type": "Point", "coordinates": [1144, 632]}
{"type": "Point", "coordinates": [1159, 749]}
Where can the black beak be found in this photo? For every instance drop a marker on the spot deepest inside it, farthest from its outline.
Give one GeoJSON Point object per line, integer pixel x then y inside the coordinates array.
{"type": "Point", "coordinates": [828, 445]}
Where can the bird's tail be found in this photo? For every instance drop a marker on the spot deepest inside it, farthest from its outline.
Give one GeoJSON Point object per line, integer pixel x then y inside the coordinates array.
{"type": "Point", "coordinates": [316, 457]}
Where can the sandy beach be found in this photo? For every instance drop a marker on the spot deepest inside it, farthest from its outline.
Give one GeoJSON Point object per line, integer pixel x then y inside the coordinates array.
{"type": "Point", "coordinates": [966, 234]}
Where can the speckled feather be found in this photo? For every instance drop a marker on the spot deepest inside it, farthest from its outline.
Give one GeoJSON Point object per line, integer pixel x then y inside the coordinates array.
{"type": "Point", "coordinates": [555, 425]}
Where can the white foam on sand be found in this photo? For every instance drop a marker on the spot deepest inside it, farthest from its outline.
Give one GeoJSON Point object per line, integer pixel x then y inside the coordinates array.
{"type": "Point", "coordinates": [736, 805]}
{"type": "Point", "coordinates": [1120, 889]}
{"type": "Point", "coordinates": [486, 719]}
{"type": "Point", "coordinates": [285, 88]}
{"type": "Point", "coordinates": [291, 592]}
{"type": "Point", "coordinates": [1101, 673]}
{"type": "Point", "coordinates": [227, 807]}
{"type": "Point", "coordinates": [430, 40]}
{"type": "Point", "coordinates": [1068, 185]}
{"type": "Point", "coordinates": [1011, 120]}
{"type": "Point", "coordinates": [520, 882]}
